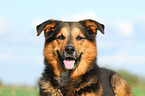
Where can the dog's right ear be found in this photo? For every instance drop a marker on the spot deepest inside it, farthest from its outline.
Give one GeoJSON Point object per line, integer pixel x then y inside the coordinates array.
{"type": "Point", "coordinates": [47, 26]}
{"type": "Point", "coordinates": [93, 25]}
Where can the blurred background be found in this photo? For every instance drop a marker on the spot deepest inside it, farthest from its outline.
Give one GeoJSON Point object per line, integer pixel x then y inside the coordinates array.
{"type": "Point", "coordinates": [121, 48]}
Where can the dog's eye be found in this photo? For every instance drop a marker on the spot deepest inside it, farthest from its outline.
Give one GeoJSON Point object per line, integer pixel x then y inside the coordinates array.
{"type": "Point", "coordinates": [61, 37]}
{"type": "Point", "coordinates": [79, 38]}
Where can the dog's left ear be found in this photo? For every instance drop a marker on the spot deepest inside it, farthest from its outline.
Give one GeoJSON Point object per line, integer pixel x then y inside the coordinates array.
{"type": "Point", "coordinates": [47, 26]}
{"type": "Point", "coordinates": [93, 25]}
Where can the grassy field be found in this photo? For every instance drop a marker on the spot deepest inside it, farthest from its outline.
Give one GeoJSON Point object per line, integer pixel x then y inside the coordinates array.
{"type": "Point", "coordinates": [18, 91]}
{"type": "Point", "coordinates": [138, 90]}
{"type": "Point", "coordinates": [31, 91]}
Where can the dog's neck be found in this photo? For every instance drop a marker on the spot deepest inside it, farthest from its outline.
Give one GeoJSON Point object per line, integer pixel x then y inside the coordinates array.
{"type": "Point", "coordinates": [63, 78]}
{"type": "Point", "coordinates": [66, 75]}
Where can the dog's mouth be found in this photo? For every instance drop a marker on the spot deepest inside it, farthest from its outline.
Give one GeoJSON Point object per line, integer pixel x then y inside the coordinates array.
{"type": "Point", "coordinates": [69, 63]}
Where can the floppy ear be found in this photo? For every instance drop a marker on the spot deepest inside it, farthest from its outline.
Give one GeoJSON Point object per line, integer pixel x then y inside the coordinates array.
{"type": "Point", "coordinates": [93, 25]}
{"type": "Point", "coordinates": [47, 26]}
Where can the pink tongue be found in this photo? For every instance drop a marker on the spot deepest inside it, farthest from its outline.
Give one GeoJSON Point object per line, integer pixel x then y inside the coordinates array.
{"type": "Point", "coordinates": [69, 64]}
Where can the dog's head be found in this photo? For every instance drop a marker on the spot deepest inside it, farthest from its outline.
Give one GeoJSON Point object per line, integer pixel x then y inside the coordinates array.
{"type": "Point", "coordinates": [70, 45]}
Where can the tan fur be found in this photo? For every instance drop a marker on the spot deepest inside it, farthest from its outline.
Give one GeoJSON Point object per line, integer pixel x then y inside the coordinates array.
{"type": "Point", "coordinates": [92, 26]}
{"type": "Point", "coordinates": [89, 53]}
{"type": "Point", "coordinates": [51, 55]}
{"type": "Point", "coordinates": [88, 48]}
{"type": "Point", "coordinates": [89, 94]}
{"type": "Point", "coordinates": [49, 88]}
{"type": "Point", "coordinates": [120, 86]}
{"type": "Point", "coordinates": [49, 26]}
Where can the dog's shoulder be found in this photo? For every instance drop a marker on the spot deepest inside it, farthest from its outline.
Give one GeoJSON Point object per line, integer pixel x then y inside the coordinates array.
{"type": "Point", "coordinates": [112, 81]}
{"type": "Point", "coordinates": [120, 86]}
{"type": "Point", "coordinates": [105, 77]}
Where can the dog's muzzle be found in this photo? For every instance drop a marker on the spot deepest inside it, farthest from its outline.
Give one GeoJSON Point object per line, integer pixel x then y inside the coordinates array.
{"type": "Point", "coordinates": [69, 58]}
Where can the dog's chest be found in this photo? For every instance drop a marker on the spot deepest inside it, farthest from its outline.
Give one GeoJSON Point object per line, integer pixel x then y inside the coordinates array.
{"type": "Point", "coordinates": [76, 86]}
{"type": "Point", "coordinates": [63, 79]}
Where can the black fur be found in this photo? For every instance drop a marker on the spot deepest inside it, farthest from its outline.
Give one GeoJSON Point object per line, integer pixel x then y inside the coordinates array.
{"type": "Point", "coordinates": [99, 75]}
{"type": "Point", "coordinates": [105, 77]}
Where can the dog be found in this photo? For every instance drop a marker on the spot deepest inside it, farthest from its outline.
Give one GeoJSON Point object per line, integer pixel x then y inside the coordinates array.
{"type": "Point", "coordinates": [70, 62]}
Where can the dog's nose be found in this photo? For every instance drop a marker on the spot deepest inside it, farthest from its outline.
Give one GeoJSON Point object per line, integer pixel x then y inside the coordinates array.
{"type": "Point", "coordinates": [69, 49]}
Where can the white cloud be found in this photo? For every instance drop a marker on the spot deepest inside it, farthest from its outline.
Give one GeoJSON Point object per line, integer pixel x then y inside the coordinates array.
{"type": "Point", "coordinates": [5, 57]}
{"type": "Point", "coordinates": [125, 27]}
{"type": "Point", "coordinates": [2, 22]}
{"type": "Point", "coordinates": [140, 18]}
{"type": "Point", "coordinates": [130, 59]}
{"type": "Point", "coordinates": [65, 17]}
{"type": "Point", "coordinates": [122, 58]}
{"type": "Point", "coordinates": [79, 16]}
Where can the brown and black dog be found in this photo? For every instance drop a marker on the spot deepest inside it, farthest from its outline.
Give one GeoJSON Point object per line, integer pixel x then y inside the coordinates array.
{"type": "Point", "coordinates": [70, 59]}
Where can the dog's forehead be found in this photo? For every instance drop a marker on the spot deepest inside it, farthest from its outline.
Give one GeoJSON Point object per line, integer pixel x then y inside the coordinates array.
{"type": "Point", "coordinates": [71, 27]}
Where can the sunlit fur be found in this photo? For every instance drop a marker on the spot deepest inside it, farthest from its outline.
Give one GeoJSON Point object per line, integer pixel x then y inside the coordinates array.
{"type": "Point", "coordinates": [120, 86]}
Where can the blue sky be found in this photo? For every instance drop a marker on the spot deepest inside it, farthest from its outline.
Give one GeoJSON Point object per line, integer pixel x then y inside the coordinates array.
{"type": "Point", "coordinates": [21, 51]}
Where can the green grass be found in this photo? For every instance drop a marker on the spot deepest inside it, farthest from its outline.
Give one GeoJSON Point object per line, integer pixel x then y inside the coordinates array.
{"type": "Point", "coordinates": [33, 91]}
{"type": "Point", "coordinates": [138, 90]}
{"type": "Point", "coordinates": [18, 91]}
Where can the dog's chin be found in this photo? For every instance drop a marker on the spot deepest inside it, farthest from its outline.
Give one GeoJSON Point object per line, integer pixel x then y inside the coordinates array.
{"type": "Point", "coordinates": [69, 63]}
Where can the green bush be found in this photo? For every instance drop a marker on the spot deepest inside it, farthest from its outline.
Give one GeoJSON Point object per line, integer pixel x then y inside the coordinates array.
{"type": "Point", "coordinates": [132, 79]}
